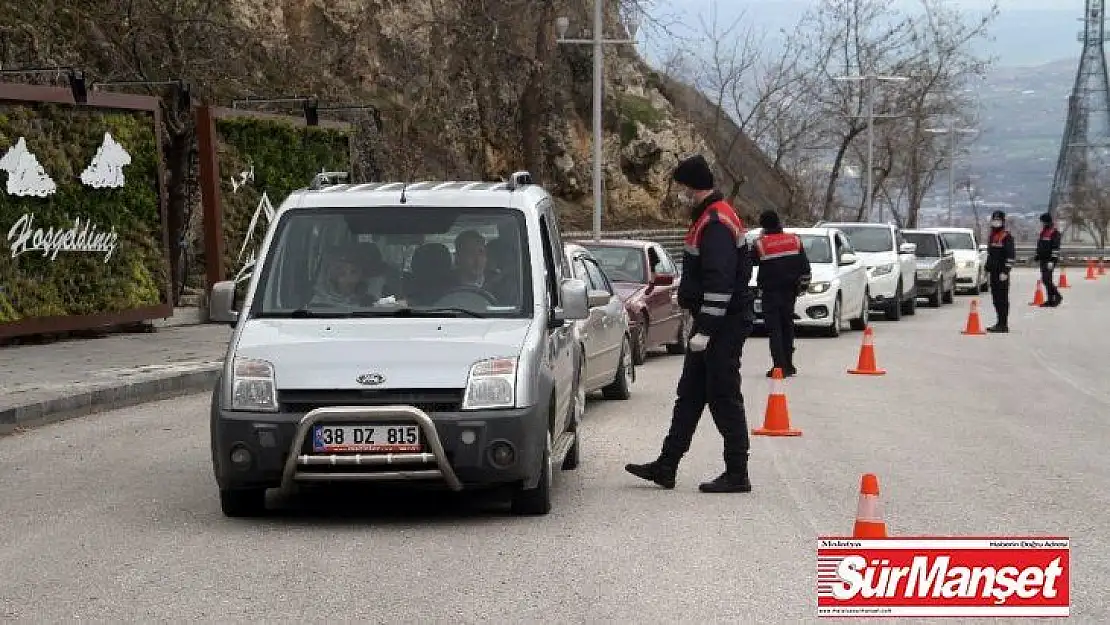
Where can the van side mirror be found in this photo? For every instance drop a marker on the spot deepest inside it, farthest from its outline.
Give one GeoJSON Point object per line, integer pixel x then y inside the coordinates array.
{"type": "Point", "coordinates": [575, 301]}
{"type": "Point", "coordinates": [221, 303]}
{"type": "Point", "coordinates": [848, 258]}
{"type": "Point", "coordinates": [907, 248]}
{"type": "Point", "coordinates": [982, 247]}
{"type": "Point", "coordinates": [949, 253]}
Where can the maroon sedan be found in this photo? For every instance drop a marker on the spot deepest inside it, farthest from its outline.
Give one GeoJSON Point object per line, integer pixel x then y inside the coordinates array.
{"type": "Point", "coordinates": [646, 279]}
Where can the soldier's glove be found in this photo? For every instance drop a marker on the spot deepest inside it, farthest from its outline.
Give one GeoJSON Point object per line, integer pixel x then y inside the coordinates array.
{"type": "Point", "coordinates": [1051, 265]}
{"type": "Point", "coordinates": [1003, 277]}
{"type": "Point", "coordinates": [698, 342]}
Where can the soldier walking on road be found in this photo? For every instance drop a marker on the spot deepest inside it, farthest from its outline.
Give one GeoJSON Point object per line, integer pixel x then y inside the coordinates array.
{"type": "Point", "coordinates": [1048, 255]}
{"type": "Point", "coordinates": [784, 273]}
{"type": "Point", "coordinates": [1000, 260]}
{"type": "Point", "coordinates": [716, 268]}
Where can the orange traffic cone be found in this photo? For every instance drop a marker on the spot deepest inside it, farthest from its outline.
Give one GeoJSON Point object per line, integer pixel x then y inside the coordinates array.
{"type": "Point", "coordinates": [866, 365]}
{"type": "Point", "coordinates": [776, 420]}
{"type": "Point", "coordinates": [869, 518]}
{"type": "Point", "coordinates": [1063, 284]}
{"type": "Point", "coordinates": [1091, 270]}
{"type": "Point", "coordinates": [1038, 297]}
{"type": "Point", "coordinates": [973, 325]}
{"type": "Point", "coordinates": [1101, 267]}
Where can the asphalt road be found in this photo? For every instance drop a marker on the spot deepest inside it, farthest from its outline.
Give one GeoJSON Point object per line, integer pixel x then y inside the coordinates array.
{"type": "Point", "coordinates": [115, 517]}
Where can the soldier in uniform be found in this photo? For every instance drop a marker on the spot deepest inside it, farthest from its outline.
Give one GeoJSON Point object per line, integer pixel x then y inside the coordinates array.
{"type": "Point", "coordinates": [784, 273]}
{"type": "Point", "coordinates": [1048, 255]}
{"type": "Point", "coordinates": [1000, 260]}
{"type": "Point", "coordinates": [716, 268]}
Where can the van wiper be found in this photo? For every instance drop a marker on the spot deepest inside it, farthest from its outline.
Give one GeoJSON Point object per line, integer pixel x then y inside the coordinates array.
{"type": "Point", "coordinates": [435, 312]}
{"type": "Point", "coordinates": [306, 313]}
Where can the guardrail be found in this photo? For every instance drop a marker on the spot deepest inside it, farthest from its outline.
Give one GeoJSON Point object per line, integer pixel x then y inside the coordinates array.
{"type": "Point", "coordinates": [671, 240]}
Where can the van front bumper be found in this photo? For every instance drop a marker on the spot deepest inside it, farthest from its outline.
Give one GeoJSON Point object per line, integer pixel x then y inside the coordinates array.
{"type": "Point", "coordinates": [458, 448]}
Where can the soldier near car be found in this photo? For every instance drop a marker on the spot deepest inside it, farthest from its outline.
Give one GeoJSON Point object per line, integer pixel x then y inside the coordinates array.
{"type": "Point", "coordinates": [784, 274]}
{"type": "Point", "coordinates": [1048, 256]}
{"type": "Point", "coordinates": [1000, 261]}
{"type": "Point", "coordinates": [716, 268]}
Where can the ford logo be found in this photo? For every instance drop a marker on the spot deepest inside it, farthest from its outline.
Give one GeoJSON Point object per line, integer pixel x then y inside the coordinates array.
{"type": "Point", "coordinates": [370, 379]}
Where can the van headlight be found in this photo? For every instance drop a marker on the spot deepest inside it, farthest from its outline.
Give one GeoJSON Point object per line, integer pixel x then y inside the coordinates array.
{"type": "Point", "coordinates": [491, 384]}
{"type": "Point", "coordinates": [882, 270]}
{"type": "Point", "coordinates": [252, 386]}
{"type": "Point", "coordinates": [817, 288]}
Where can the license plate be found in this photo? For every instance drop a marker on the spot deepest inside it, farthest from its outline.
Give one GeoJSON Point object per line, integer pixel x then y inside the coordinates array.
{"type": "Point", "coordinates": [366, 438]}
{"type": "Point", "coordinates": [758, 306]}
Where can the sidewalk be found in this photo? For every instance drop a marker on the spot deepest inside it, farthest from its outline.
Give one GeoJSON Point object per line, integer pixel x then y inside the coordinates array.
{"type": "Point", "coordinates": [46, 383]}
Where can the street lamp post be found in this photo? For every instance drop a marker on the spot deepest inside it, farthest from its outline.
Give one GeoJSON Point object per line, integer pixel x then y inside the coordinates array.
{"type": "Point", "coordinates": [953, 133]}
{"type": "Point", "coordinates": [871, 79]}
{"type": "Point", "coordinates": [598, 41]}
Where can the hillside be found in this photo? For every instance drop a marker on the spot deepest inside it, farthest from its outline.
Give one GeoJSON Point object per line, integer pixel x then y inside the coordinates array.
{"type": "Point", "coordinates": [467, 90]}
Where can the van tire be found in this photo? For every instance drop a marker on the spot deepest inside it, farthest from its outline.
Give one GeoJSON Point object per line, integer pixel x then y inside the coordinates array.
{"type": "Point", "coordinates": [536, 501]}
{"type": "Point", "coordinates": [239, 503]}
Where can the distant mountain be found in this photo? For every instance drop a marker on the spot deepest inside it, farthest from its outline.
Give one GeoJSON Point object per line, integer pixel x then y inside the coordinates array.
{"type": "Point", "coordinates": [1023, 111]}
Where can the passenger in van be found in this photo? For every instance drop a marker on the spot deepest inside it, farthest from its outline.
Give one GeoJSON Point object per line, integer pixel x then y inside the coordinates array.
{"type": "Point", "coordinates": [381, 279]}
{"type": "Point", "coordinates": [430, 275]}
{"type": "Point", "coordinates": [344, 280]}
{"type": "Point", "coordinates": [470, 258]}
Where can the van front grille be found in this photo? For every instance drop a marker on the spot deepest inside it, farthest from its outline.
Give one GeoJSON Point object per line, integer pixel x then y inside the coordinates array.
{"type": "Point", "coordinates": [430, 400]}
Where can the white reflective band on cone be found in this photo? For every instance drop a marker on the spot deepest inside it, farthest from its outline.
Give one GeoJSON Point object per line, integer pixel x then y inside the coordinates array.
{"type": "Point", "coordinates": [868, 339]}
{"type": "Point", "coordinates": [870, 508]}
{"type": "Point", "coordinates": [777, 387]}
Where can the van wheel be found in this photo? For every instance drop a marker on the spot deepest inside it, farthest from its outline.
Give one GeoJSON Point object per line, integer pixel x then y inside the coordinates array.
{"type": "Point", "coordinates": [833, 330]}
{"type": "Point", "coordinates": [536, 501]}
{"type": "Point", "coordinates": [950, 294]}
{"type": "Point", "coordinates": [247, 502]}
{"type": "Point", "coordinates": [639, 355]}
{"type": "Point", "coordinates": [621, 387]}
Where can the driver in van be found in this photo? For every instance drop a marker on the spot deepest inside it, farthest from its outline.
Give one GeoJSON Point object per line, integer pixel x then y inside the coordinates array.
{"type": "Point", "coordinates": [470, 258]}
{"type": "Point", "coordinates": [344, 280]}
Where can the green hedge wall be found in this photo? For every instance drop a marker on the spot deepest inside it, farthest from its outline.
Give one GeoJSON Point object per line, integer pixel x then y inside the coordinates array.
{"type": "Point", "coordinates": [65, 139]}
{"type": "Point", "coordinates": [285, 157]}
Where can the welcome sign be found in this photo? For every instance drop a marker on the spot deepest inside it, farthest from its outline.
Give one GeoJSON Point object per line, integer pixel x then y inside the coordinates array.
{"type": "Point", "coordinates": [82, 238]}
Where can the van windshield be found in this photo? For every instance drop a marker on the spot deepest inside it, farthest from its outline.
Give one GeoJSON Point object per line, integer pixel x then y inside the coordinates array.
{"type": "Point", "coordinates": [926, 243]}
{"type": "Point", "coordinates": [396, 261]}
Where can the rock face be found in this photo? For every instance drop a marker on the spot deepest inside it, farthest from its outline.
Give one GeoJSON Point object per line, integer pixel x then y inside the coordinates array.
{"type": "Point", "coordinates": [469, 92]}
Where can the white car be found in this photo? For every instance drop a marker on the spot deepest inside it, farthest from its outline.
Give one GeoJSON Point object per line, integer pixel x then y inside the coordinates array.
{"type": "Point", "coordinates": [971, 258]}
{"type": "Point", "coordinates": [891, 265]}
{"type": "Point", "coordinates": [838, 289]}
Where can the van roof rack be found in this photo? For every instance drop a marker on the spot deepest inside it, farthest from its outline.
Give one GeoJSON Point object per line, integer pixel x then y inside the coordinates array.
{"type": "Point", "coordinates": [519, 179]}
{"type": "Point", "coordinates": [329, 178]}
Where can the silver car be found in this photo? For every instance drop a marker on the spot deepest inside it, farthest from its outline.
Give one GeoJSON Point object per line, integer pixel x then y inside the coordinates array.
{"type": "Point", "coordinates": [604, 335]}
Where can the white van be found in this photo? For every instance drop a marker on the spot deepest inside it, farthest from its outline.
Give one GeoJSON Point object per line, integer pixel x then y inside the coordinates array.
{"type": "Point", "coordinates": [394, 332]}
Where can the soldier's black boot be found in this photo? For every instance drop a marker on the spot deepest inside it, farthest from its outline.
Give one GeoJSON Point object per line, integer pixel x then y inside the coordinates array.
{"type": "Point", "coordinates": [656, 471]}
{"type": "Point", "coordinates": [734, 480]}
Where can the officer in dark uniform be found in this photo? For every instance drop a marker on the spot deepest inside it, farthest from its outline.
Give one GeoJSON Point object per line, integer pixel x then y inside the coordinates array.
{"type": "Point", "coordinates": [1000, 260]}
{"type": "Point", "coordinates": [716, 268]}
{"type": "Point", "coordinates": [784, 273]}
{"type": "Point", "coordinates": [1048, 255]}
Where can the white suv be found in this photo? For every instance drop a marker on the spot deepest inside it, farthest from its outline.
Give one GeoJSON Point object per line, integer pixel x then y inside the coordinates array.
{"type": "Point", "coordinates": [398, 332]}
{"type": "Point", "coordinates": [891, 265]}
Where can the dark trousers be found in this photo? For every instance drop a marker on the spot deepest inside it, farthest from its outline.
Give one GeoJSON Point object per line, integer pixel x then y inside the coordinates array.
{"type": "Point", "coordinates": [778, 316]}
{"type": "Point", "coordinates": [1000, 296]}
{"type": "Point", "coordinates": [712, 377]}
{"type": "Point", "coordinates": [1050, 289]}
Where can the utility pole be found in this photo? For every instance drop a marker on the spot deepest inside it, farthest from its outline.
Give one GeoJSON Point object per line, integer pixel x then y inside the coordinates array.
{"type": "Point", "coordinates": [598, 41]}
{"type": "Point", "coordinates": [870, 80]}
{"type": "Point", "coordinates": [953, 133]}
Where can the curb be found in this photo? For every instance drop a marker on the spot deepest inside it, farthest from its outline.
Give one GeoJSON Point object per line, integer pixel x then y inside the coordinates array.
{"type": "Point", "coordinates": [107, 398]}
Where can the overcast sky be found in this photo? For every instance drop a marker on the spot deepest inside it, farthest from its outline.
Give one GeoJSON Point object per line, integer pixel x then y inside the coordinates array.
{"type": "Point", "coordinates": [1027, 32]}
